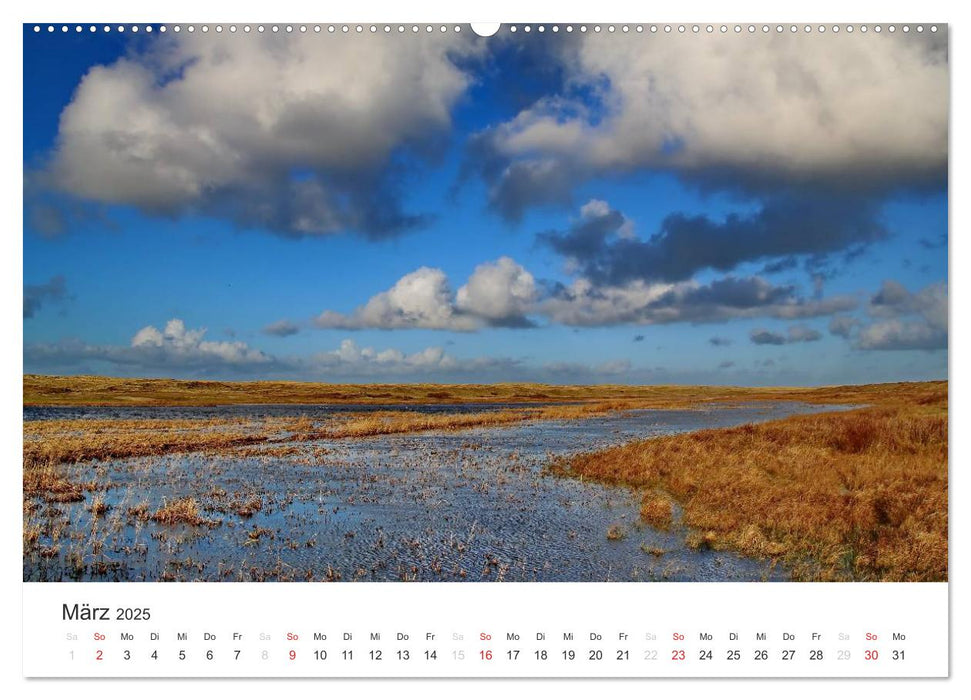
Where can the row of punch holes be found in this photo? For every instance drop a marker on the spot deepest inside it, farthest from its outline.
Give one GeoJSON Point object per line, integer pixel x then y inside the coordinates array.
{"type": "Point", "coordinates": [512, 28]}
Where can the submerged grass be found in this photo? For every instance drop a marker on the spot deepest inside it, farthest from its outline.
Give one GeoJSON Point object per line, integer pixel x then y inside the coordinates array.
{"type": "Point", "coordinates": [51, 442]}
{"type": "Point", "coordinates": [857, 495]}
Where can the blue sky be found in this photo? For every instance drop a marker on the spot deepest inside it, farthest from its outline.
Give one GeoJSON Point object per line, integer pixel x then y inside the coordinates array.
{"type": "Point", "coordinates": [548, 208]}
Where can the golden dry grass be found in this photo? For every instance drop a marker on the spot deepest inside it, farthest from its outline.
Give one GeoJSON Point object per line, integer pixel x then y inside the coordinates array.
{"type": "Point", "coordinates": [69, 441]}
{"type": "Point", "coordinates": [393, 422]}
{"type": "Point", "coordinates": [657, 510]}
{"type": "Point", "coordinates": [860, 495]}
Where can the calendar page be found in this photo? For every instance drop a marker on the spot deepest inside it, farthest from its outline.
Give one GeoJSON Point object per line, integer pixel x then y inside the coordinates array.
{"type": "Point", "coordinates": [562, 350]}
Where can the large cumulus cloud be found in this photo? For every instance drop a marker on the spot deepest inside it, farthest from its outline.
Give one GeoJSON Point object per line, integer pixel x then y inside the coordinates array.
{"type": "Point", "coordinates": [296, 133]}
{"type": "Point", "coordinates": [756, 113]}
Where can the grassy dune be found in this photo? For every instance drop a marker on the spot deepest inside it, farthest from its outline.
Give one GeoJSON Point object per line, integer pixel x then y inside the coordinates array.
{"type": "Point", "coordinates": [109, 391]}
{"type": "Point", "coordinates": [860, 495]}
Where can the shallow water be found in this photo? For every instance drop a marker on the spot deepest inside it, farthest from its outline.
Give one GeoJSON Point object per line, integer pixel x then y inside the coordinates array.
{"type": "Point", "coordinates": [470, 505]}
{"type": "Point", "coordinates": [34, 413]}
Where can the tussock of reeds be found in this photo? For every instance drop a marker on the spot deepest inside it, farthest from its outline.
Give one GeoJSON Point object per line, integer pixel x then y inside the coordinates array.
{"type": "Point", "coordinates": [860, 495]}
{"type": "Point", "coordinates": [48, 481]}
{"type": "Point", "coordinates": [250, 507]}
{"type": "Point", "coordinates": [616, 532]}
{"type": "Point", "coordinates": [184, 511]}
{"type": "Point", "coordinates": [98, 507]}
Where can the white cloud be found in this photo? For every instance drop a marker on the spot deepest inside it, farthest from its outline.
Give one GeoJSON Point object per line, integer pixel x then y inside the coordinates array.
{"type": "Point", "coordinates": [282, 328]}
{"type": "Point", "coordinates": [795, 106]}
{"type": "Point", "coordinates": [420, 299]}
{"type": "Point", "coordinates": [501, 292]}
{"type": "Point", "coordinates": [289, 132]}
{"type": "Point", "coordinates": [179, 345]}
{"type": "Point", "coordinates": [897, 334]}
{"type": "Point", "coordinates": [908, 321]}
{"type": "Point", "coordinates": [350, 357]}
{"type": "Point", "coordinates": [497, 293]}
{"type": "Point", "coordinates": [594, 208]}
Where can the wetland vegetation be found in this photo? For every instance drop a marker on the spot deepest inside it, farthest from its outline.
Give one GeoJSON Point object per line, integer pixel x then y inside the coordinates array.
{"type": "Point", "coordinates": [168, 480]}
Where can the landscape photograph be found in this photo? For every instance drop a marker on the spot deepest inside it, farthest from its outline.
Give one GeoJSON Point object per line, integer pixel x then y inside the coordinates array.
{"type": "Point", "coordinates": [404, 303]}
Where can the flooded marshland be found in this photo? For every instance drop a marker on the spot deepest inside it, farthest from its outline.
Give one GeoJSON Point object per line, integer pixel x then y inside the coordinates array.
{"type": "Point", "coordinates": [465, 505]}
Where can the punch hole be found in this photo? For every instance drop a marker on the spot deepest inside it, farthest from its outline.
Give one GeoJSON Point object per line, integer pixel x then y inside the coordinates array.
{"type": "Point", "coordinates": [485, 29]}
